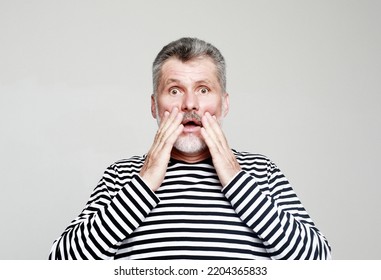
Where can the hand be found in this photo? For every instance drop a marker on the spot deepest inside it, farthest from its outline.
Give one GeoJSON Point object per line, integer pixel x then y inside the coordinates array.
{"type": "Point", "coordinates": [224, 161]}
{"type": "Point", "coordinates": [156, 163]}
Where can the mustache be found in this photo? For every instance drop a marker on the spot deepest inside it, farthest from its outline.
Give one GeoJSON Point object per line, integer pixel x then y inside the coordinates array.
{"type": "Point", "coordinates": [192, 116]}
{"type": "Point", "coordinates": [189, 117]}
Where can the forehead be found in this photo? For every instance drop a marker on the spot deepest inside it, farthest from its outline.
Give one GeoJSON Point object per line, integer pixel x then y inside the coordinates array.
{"type": "Point", "coordinates": [199, 68]}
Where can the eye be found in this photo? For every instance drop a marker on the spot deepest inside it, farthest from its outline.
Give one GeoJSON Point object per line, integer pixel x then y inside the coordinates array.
{"type": "Point", "coordinates": [174, 91]}
{"type": "Point", "coordinates": [204, 90]}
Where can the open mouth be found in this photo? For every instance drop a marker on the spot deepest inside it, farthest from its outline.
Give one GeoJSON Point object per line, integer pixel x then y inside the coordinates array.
{"type": "Point", "coordinates": [191, 123]}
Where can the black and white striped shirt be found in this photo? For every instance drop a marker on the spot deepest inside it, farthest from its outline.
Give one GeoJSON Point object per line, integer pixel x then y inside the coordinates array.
{"type": "Point", "coordinates": [256, 216]}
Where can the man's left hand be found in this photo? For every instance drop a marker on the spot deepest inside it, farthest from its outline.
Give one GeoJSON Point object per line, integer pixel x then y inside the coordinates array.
{"type": "Point", "coordinates": [224, 161]}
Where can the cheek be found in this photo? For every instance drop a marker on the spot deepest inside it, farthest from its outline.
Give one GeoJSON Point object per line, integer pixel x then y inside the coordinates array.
{"type": "Point", "coordinates": [166, 106]}
{"type": "Point", "coordinates": [214, 108]}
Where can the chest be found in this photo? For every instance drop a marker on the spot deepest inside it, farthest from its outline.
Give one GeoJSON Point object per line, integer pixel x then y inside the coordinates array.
{"type": "Point", "coordinates": [193, 220]}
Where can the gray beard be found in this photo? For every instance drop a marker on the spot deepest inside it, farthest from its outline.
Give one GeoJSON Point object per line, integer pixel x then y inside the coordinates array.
{"type": "Point", "coordinates": [190, 144]}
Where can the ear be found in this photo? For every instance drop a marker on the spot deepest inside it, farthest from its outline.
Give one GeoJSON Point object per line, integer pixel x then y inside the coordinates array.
{"type": "Point", "coordinates": [153, 106]}
{"type": "Point", "coordinates": [225, 104]}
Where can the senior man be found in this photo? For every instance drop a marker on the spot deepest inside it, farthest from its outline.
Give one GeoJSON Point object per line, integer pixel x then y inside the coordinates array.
{"type": "Point", "coordinates": [192, 196]}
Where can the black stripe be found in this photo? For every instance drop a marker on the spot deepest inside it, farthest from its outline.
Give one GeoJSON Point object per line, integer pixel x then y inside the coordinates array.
{"type": "Point", "coordinates": [191, 230]}
{"type": "Point", "coordinates": [255, 244]}
{"type": "Point", "coordinates": [190, 249]}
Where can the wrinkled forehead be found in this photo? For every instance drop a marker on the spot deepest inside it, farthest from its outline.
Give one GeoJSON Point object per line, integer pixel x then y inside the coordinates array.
{"type": "Point", "coordinates": [200, 69]}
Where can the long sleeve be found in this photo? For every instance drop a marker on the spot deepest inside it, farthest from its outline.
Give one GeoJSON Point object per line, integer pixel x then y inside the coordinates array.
{"type": "Point", "coordinates": [117, 206]}
{"type": "Point", "coordinates": [266, 202]}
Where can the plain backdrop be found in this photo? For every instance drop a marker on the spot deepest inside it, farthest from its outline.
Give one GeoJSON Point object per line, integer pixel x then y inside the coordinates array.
{"type": "Point", "coordinates": [75, 85]}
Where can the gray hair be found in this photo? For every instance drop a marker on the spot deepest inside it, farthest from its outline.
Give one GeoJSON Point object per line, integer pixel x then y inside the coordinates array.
{"type": "Point", "coordinates": [186, 49]}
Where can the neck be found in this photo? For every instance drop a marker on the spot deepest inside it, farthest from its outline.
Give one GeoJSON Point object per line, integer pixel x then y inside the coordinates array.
{"type": "Point", "coordinates": [190, 157]}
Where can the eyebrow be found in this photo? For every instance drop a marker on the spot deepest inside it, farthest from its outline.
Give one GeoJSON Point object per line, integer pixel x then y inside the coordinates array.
{"type": "Point", "coordinates": [207, 81]}
{"type": "Point", "coordinates": [170, 81]}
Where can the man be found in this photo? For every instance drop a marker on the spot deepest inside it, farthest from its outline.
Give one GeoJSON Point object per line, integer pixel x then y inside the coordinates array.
{"type": "Point", "coordinates": [191, 196]}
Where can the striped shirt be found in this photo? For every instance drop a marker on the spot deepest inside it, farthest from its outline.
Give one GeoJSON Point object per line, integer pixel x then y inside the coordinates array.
{"type": "Point", "coordinates": [191, 216]}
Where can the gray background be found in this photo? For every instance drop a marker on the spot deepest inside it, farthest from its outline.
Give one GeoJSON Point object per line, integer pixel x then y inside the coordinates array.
{"type": "Point", "coordinates": [75, 85]}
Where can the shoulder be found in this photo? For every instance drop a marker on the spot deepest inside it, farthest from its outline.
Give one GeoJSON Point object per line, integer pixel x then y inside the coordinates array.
{"type": "Point", "coordinates": [251, 158]}
{"type": "Point", "coordinates": [127, 165]}
{"type": "Point", "coordinates": [262, 168]}
{"type": "Point", "coordinates": [120, 173]}
{"type": "Point", "coordinates": [256, 164]}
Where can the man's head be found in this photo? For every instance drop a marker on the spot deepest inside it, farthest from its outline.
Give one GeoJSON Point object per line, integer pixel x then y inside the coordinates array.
{"type": "Point", "coordinates": [189, 74]}
{"type": "Point", "coordinates": [186, 49]}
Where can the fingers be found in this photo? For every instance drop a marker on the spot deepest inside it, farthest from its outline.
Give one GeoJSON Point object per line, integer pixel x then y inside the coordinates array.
{"type": "Point", "coordinates": [170, 128]}
{"type": "Point", "coordinates": [155, 165]}
{"type": "Point", "coordinates": [169, 118]}
{"type": "Point", "coordinates": [223, 158]}
{"type": "Point", "coordinates": [212, 133]}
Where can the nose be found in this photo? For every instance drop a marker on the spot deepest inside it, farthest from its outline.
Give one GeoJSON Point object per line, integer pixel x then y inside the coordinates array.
{"type": "Point", "coordinates": [190, 102]}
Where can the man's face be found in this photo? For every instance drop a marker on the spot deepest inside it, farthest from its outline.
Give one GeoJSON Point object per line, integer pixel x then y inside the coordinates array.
{"type": "Point", "coordinates": [192, 87]}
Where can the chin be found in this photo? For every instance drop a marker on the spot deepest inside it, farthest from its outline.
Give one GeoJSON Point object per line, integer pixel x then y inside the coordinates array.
{"type": "Point", "coordinates": [190, 144]}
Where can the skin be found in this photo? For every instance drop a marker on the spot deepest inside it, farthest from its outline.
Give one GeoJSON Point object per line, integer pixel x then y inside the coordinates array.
{"type": "Point", "coordinates": [185, 87]}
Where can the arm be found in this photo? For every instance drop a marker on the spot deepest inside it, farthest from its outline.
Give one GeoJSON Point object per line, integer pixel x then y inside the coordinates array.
{"type": "Point", "coordinates": [115, 211]}
{"type": "Point", "coordinates": [112, 213]}
{"type": "Point", "coordinates": [274, 212]}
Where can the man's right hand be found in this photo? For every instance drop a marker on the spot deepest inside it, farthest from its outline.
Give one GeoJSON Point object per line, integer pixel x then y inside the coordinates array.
{"type": "Point", "coordinates": [156, 163]}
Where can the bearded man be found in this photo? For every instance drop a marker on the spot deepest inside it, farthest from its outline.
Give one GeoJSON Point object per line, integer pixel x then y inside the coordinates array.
{"type": "Point", "coordinates": [192, 196]}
